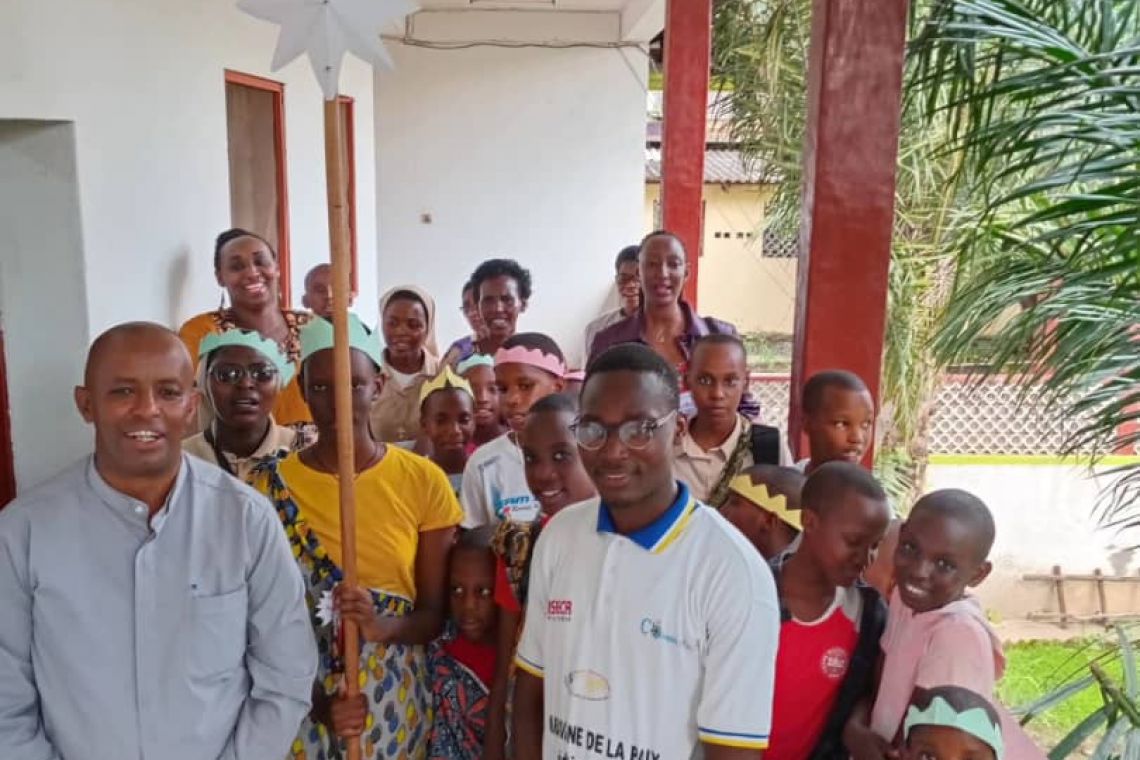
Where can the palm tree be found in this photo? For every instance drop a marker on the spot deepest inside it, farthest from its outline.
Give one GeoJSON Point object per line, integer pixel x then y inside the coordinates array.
{"type": "Point", "coordinates": [1041, 100]}
{"type": "Point", "coordinates": [761, 47]}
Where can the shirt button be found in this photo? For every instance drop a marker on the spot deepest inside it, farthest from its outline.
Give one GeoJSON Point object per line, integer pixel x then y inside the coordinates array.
{"type": "Point", "coordinates": [139, 510]}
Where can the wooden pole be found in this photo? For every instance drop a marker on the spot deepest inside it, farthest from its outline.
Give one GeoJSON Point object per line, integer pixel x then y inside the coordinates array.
{"type": "Point", "coordinates": [342, 385]}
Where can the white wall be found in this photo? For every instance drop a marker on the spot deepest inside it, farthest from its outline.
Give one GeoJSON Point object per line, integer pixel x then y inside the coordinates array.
{"type": "Point", "coordinates": [535, 154]}
{"type": "Point", "coordinates": [42, 302]}
{"type": "Point", "coordinates": [143, 83]}
{"type": "Point", "coordinates": [1044, 514]}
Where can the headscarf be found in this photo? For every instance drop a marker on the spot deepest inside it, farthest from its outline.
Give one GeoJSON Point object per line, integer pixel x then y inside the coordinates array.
{"type": "Point", "coordinates": [429, 311]}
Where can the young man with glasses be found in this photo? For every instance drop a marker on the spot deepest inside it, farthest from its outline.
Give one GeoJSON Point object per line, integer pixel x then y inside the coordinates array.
{"type": "Point", "coordinates": [651, 624]}
{"type": "Point", "coordinates": [240, 375]}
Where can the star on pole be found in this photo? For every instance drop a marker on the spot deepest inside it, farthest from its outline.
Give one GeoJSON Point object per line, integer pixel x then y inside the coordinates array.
{"type": "Point", "coordinates": [326, 30]}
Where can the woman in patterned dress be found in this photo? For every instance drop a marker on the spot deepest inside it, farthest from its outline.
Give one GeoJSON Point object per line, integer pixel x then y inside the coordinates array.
{"type": "Point", "coordinates": [406, 515]}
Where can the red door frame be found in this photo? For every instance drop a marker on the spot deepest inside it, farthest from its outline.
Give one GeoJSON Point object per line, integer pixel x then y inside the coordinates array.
{"type": "Point", "coordinates": [7, 456]}
{"type": "Point", "coordinates": [284, 259]}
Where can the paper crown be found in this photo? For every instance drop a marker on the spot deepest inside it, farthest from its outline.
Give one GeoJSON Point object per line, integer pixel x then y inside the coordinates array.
{"type": "Point", "coordinates": [443, 381]}
{"type": "Point", "coordinates": [533, 357]}
{"type": "Point", "coordinates": [974, 721]}
{"type": "Point", "coordinates": [757, 493]}
{"type": "Point", "coordinates": [250, 339]}
{"type": "Point", "coordinates": [317, 335]}
{"type": "Point", "coordinates": [473, 361]}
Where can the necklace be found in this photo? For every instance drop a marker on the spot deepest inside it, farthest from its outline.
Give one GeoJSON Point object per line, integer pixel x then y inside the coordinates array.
{"type": "Point", "coordinates": [323, 465]}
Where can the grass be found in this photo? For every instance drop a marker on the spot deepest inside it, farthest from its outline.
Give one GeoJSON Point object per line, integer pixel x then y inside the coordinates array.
{"type": "Point", "coordinates": [768, 352]}
{"type": "Point", "coordinates": [1035, 668]}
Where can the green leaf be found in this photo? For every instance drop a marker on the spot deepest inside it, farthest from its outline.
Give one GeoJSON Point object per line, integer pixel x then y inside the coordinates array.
{"type": "Point", "coordinates": [1081, 733]}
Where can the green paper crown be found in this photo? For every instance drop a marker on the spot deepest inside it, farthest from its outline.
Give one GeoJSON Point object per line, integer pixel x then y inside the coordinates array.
{"type": "Point", "coordinates": [250, 339]}
{"type": "Point", "coordinates": [974, 721]}
{"type": "Point", "coordinates": [317, 335]}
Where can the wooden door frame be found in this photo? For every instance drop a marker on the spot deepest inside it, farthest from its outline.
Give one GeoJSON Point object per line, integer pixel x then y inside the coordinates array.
{"type": "Point", "coordinates": [284, 256]}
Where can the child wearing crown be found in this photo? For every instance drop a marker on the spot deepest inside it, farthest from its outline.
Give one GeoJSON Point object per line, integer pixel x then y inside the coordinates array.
{"type": "Point", "coordinates": [764, 504]}
{"type": "Point", "coordinates": [949, 723]}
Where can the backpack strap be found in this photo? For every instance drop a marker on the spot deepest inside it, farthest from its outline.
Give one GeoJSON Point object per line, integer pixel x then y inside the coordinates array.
{"type": "Point", "coordinates": [765, 442]}
{"type": "Point", "coordinates": [860, 674]}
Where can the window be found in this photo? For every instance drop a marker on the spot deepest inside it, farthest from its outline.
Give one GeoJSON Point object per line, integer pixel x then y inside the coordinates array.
{"type": "Point", "coordinates": [255, 127]}
{"type": "Point", "coordinates": [776, 246]}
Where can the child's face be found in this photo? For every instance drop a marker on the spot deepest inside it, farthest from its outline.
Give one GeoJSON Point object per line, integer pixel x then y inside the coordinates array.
{"type": "Point", "coordinates": [471, 312]}
{"type": "Point", "coordinates": [448, 420]}
{"type": "Point", "coordinates": [717, 377]}
{"type": "Point", "coordinates": [520, 385]}
{"type": "Point", "coordinates": [768, 533]}
{"type": "Point", "coordinates": [843, 540]}
{"type": "Point", "coordinates": [945, 743]}
{"type": "Point", "coordinates": [471, 579]}
{"type": "Point", "coordinates": [486, 390]}
{"type": "Point", "coordinates": [841, 428]}
{"type": "Point", "coordinates": [554, 471]}
{"type": "Point", "coordinates": [936, 560]}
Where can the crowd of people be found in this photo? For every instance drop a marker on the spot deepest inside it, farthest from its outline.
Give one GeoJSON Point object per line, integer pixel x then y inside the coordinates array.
{"type": "Point", "coordinates": [619, 562]}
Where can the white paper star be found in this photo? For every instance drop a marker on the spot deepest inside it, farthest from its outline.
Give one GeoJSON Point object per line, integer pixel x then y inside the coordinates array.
{"type": "Point", "coordinates": [325, 610]}
{"type": "Point", "coordinates": [326, 30]}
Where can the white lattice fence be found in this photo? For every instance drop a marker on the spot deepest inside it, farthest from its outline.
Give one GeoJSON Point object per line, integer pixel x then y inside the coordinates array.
{"type": "Point", "coordinates": [968, 418]}
{"type": "Point", "coordinates": [991, 418]}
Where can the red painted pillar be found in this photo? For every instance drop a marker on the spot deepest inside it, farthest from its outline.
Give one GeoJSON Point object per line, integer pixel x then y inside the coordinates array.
{"type": "Point", "coordinates": [688, 43]}
{"type": "Point", "coordinates": [850, 151]}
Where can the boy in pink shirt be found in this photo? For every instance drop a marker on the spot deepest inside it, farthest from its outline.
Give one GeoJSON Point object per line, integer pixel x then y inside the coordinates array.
{"type": "Point", "coordinates": [937, 634]}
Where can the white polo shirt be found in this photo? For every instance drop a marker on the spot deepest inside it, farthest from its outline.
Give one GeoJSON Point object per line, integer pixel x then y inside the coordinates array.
{"type": "Point", "coordinates": [651, 643]}
{"type": "Point", "coordinates": [494, 486]}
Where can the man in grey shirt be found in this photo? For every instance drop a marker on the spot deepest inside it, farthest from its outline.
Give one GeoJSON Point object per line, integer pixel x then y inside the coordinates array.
{"type": "Point", "coordinates": [151, 607]}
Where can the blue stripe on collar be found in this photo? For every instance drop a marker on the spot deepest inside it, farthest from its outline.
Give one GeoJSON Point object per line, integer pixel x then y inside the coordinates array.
{"type": "Point", "coordinates": [656, 536]}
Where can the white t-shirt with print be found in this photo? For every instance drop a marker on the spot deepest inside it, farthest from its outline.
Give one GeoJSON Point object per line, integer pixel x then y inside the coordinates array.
{"type": "Point", "coordinates": [652, 643]}
{"type": "Point", "coordinates": [494, 486]}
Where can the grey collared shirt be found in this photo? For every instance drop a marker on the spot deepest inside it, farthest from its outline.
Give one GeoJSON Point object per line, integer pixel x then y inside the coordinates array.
{"type": "Point", "coordinates": [181, 637]}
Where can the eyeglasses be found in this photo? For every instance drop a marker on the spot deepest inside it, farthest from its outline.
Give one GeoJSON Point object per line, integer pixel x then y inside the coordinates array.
{"type": "Point", "coordinates": [232, 374]}
{"type": "Point", "coordinates": [634, 434]}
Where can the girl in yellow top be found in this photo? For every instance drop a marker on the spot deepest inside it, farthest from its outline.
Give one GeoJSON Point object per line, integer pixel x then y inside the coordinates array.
{"type": "Point", "coordinates": [406, 515]}
{"type": "Point", "coordinates": [246, 267]}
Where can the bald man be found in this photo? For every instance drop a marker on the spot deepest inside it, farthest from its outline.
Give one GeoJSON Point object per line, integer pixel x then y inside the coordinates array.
{"type": "Point", "coordinates": [151, 606]}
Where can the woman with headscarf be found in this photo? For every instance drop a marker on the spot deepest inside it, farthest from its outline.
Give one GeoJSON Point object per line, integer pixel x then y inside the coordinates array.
{"type": "Point", "coordinates": [407, 322]}
{"type": "Point", "coordinates": [240, 374]}
{"type": "Point", "coordinates": [246, 268]}
{"type": "Point", "coordinates": [406, 514]}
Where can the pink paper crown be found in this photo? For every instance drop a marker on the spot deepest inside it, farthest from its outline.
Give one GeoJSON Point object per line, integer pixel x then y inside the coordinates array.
{"type": "Point", "coordinates": [532, 356]}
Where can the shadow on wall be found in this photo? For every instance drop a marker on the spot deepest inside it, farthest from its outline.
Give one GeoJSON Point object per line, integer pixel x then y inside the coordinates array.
{"type": "Point", "coordinates": [178, 286]}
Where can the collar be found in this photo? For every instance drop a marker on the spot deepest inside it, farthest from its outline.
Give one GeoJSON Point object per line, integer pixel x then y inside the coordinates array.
{"type": "Point", "coordinates": [129, 508]}
{"type": "Point", "coordinates": [659, 534]}
{"type": "Point", "coordinates": [690, 448]}
{"type": "Point", "coordinates": [695, 327]}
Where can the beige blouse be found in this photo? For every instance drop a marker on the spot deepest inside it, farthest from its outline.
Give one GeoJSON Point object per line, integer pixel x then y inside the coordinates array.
{"type": "Point", "coordinates": [396, 414]}
{"type": "Point", "coordinates": [279, 441]}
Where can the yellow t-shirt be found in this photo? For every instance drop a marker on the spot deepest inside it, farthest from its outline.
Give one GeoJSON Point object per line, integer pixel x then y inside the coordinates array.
{"type": "Point", "coordinates": [396, 500]}
{"type": "Point", "coordinates": [290, 407]}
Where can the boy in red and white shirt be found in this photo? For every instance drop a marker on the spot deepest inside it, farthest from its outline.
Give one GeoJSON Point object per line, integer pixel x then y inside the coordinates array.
{"type": "Point", "coordinates": [830, 622]}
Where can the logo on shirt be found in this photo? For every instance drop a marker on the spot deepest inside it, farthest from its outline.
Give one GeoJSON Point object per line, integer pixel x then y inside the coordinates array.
{"type": "Point", "coordinates": [834, 663]}
{"type": "Point", "coordinates": [559, 609]}
{"type": "Point", "coordinates": [505, 506]}
{"type": "Point", "coordinates": [652, 629]}
{"type": "Point", "coordinates": [588, 685]}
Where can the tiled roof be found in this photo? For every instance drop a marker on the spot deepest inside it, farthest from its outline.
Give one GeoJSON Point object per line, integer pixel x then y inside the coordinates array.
{"type": "Point", "coordinates": [723, 166]}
